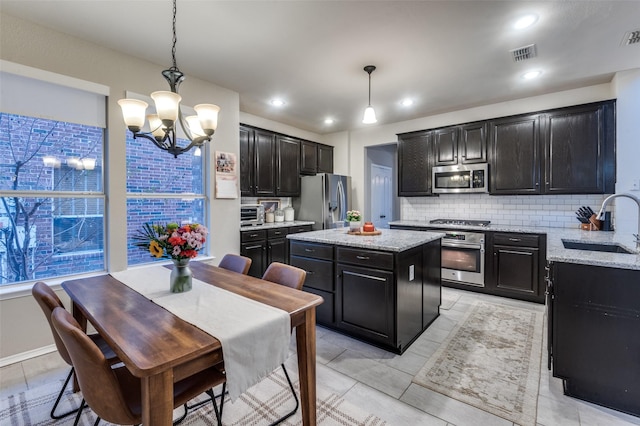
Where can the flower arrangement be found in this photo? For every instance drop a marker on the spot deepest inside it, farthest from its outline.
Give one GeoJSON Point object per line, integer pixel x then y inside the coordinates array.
{"type": "Point", "coordinates": [174, 241]}
{"type": "Point", "coordinates": [354, 216]}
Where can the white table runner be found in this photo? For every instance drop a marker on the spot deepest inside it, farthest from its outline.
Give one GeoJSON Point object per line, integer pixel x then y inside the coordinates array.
{"type": "Point", "coordinates": [255, 337]}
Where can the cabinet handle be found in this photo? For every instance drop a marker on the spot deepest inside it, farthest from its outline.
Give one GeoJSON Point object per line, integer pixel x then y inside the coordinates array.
{"type": "Point", "coordinates": [362, 257]}
{"type": "Point", "coordinates": [310, 272]}
{"type": "Point", "coordinates": [309, 250]}
{"type": "Point", "coordinates": [537, 184]}
{"type": "Point", "coordinates": [253, 235]}
{"type": "Point", "coordinates": [277, 233]}
{"type": "Point", "coordinates": [515, 240]}
{"type": "Point", "coordinates": [253, 247]}
{"type": "Point", "coordinates": [370, 277]}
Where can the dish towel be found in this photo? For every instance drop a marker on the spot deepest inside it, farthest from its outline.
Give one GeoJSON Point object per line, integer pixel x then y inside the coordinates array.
{"type": "Point", "coordinates": [255, 337]}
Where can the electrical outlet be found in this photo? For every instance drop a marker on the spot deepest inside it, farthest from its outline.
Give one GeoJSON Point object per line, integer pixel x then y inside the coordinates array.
{"type": "Point", "coordinates": [412, 272]}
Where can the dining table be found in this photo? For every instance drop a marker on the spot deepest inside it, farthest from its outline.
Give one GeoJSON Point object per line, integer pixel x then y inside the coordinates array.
{"type": "Point", "coordinates": [160, 348]}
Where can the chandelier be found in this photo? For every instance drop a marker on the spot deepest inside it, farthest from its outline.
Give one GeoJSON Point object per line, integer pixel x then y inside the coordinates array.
{"type": "Point", "coordinates": [163, 124]}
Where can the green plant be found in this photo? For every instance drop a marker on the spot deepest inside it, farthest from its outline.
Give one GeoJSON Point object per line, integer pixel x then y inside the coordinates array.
{"type": "Point", "coordinates": [354, 216]}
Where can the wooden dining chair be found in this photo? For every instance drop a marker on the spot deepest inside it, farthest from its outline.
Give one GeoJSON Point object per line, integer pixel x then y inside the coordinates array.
{"type": "Point", "coordinates": [114, 394]}
{"type": "Point", "coordinates": [48, 301]}
{"type": "Point", "coordinates": [236, 263]}
{"type": "Point", "coordinates": [293, 277]}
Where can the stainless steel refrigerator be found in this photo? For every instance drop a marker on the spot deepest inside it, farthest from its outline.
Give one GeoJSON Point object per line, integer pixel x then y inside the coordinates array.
{"type": "Point", "coordinates": [324, 199]}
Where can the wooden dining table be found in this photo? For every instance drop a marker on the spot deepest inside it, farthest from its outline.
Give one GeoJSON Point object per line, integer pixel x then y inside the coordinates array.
{"type": "Point", "coordinates": [160, 348]}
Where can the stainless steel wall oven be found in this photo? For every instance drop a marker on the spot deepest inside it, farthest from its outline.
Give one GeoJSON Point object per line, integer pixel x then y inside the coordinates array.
{"type": "Point", "coordinates": [463, 258]}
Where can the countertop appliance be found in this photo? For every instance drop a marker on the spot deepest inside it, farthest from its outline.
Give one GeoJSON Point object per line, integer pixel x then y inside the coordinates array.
{"type": "Point", "coordinates": [324, 199]}
{"type": "Point", "coordinates": [251, 214]}
{"type": "Point", "coordinates": [461, 178]}
{"type": "Point", "coordinates": [463, 258]}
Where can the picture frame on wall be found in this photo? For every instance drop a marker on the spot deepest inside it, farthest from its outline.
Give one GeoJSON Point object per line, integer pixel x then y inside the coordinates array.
{"type": "Point", "coordinates": [269, 205]}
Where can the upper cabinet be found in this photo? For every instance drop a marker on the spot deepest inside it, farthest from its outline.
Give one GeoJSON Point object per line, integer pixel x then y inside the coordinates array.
{"type": "Point", "coordinates": [315, 158]}
{"type": "Point", "coordinates": [415, 160]}
{"type": "Point", "coordinates": [287, 166]}
{"type": "Point", "coordinates": [579, 145]}
{"type": "Point", "coordinates": [515, 155]}
{"type": "Point", "coordinates": [464, 144]}
{"type": "Point", "coordinates": [257, 162]}
{"type": "Point", "coordinates": [325, 158]}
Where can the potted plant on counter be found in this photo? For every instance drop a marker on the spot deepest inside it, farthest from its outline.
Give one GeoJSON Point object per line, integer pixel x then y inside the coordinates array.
{"type": "Point", "coordinates": [354, 217]}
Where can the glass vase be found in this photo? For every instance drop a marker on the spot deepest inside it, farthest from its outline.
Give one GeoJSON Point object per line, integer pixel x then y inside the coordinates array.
{"type": "Point", "coordinates": [181, 276]}
{"type": "Point", "coordinates": [355, 226]}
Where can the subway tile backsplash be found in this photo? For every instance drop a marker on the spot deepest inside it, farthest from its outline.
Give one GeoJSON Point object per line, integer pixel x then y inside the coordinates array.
{"type": "Point", "coordinates": [555, 211]}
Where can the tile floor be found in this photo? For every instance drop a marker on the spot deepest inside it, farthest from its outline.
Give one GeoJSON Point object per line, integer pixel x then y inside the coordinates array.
{"type": "Point", "coordinates": [380, 382]}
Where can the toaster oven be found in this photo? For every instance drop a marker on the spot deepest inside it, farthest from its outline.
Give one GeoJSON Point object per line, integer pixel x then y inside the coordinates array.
{"type": "Point", "coordinates": [251, 214]}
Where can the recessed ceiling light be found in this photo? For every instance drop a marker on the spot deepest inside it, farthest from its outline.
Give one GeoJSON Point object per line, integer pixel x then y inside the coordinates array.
{"type": "Point", "coordinates": [531, 75]}
{"type": "Point", "coordinates": [525, 22]}
{"type": "Point", "coordinates": [406, 102]}
{"type": "Point", "coordinates": [328, 121]}
{"type": "Point", "coordinates": [277, 102]}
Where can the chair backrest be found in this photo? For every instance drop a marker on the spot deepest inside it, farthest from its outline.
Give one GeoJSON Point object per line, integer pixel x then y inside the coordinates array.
{"type": "Point", "coordinates": [48, 301]}
{"type": "Point", "coordinates": [100, 385]}
{"type": "Point", "coordinates": [285, 274]}
{"type": "Point", "coordinates": [236, 263]}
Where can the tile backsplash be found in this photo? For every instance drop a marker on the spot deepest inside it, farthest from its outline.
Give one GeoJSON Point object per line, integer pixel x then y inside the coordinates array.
{"type": "Point", "coordinates": [555, 211]}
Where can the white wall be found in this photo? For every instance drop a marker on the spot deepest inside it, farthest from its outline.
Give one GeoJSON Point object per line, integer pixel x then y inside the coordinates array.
{"type": "Point", "coordinates": [22, 325]}
{"type": "Point", "coordinates": [627, 89]}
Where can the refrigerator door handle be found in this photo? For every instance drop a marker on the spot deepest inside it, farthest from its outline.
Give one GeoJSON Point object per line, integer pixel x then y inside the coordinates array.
{"type": "Point", "coordinates": [341, 202]}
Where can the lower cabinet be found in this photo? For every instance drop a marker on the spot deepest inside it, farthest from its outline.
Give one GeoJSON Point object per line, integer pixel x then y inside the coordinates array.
{"type": "Point", "coordinates": [264, 246]}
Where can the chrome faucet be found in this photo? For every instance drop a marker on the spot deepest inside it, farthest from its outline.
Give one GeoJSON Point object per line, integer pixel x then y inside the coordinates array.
{"type": "Point", "coordinates": [600, 214]}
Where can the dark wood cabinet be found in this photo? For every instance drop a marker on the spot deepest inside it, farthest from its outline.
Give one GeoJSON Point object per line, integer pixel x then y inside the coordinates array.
{"type": "Point", "coordinates": [516, 265]}
{"type": "Point", "coordinates": [415, 160]}
{"type": "Point", "coordinates": [579, 150]}
{"type": "Point", "coordinates": [308, 158]}
{"type": "Point", "coordinates": [445, 146]}
{"type": "Point", "coordinates": [277, 247]}
{"type": "Point", "coordinates": [287, 167]}
{"type": "Point", "coordinates": [325, 158]}
{"type": "Point", "coordinates": [264, 246]}
{"type": "Point", "coordinates": [595, 340]}
{"type": "Point", "coordinates": [257, 162]}
{"type": "Point", "coordinates": [515, 155]}
{"type": "Point", "coordinates": [472, 146]}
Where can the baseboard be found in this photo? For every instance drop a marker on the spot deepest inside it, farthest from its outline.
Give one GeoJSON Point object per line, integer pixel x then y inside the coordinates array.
{"type": "Point", "coordinates": [27, 355]}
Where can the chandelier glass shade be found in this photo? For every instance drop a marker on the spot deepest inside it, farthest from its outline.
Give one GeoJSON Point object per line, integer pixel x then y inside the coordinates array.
{"type": "Point", "coordinates": [369, 113]}
{"type": "Point", "coordinates": [163, 124]}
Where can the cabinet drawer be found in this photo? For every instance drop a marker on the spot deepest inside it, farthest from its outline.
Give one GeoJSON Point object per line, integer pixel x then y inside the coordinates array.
{"type": "Point", "coordinates": [277, 233]}
{"type": "Point", "coordinates": [257, 235]}
{"type": "Point", "coordinates": [520, 240]}
{"type": "Point", "coordinates": [373, 259]}
{"type": "Point", "coordinates": [300, 228]}
{"type": "Point", "coordinates": [319, 272]}
{"type": "Point", "coordinates": [316, 251]}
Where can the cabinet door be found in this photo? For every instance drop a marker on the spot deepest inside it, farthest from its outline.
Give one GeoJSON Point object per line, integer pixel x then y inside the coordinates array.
{"type": "Point", "coordinates": [257, 251]}
{"type": "Point", "coordinates": [308, 158]}
{"type": "Point", "coordinates": [515, 156]}
{"type": "Point", "coordinates": [277, 251]}
{"type": "Point", "coordinates": [265, 160]}
{"type": "Point", "coordinates": [575, 150]}
{"type": "Point", "coordinates": [414, 164]}
{"type": "Point", "coordinates": [364, 303]}
{"type": "Point", "coordinates": [472, 146]}
{"type": "Point", "coordinates": [516, 269]}
{"type": "Point", "coordinates": [445, 146]}
{"type": "Point", "coordinates": [246, 161]}
{"type": "Point", "coordinates": [325, 159]}
{"type": "Point", "coordinates": [288, 167]}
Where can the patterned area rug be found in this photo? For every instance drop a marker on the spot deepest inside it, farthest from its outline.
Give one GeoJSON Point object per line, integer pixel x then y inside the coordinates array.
{"type": "Point", "coordinates": [260, 405]}
{"type": "Point", "coordinates": [491, 360]}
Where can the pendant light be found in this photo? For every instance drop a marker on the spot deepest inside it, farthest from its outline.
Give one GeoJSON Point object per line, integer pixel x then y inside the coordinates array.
{"type": "Point", "coordinates": [369, 113]}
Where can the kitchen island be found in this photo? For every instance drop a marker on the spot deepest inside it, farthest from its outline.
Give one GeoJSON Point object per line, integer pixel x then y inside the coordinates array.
{"type": "Point", "coordinates": [383, 289]}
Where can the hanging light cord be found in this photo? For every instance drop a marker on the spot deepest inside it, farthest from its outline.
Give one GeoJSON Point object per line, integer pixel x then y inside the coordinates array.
{"type": "Point", "coordinates": [175, 38]}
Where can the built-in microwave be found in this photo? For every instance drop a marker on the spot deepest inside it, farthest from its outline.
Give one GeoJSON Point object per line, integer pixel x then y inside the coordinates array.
{"type": "Point", "coordinates": [460, 178]}
{"type": "Point", "coordinates": [251, 214]}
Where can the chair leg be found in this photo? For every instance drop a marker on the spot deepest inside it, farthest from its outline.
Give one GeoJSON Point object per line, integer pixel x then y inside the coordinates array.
{"type": "Point", "coordinates": [215, 405]}
{"type": "Point", "coordinates": [178, 421]}
{"type": "Point", "coordinates": [206, 401]}
{"type": "Point", "coordinates": [75, 423]}
{"type": "Point", "coordinates": [295, 396]}
{"type": "Point", "coordinates": [55, 406]}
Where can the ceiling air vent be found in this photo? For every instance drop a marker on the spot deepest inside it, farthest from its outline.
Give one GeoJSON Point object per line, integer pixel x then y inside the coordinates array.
{"type": "Point", "coordinates": [631, 37]}
{"type": "Point", "coordinates": [523, 53]}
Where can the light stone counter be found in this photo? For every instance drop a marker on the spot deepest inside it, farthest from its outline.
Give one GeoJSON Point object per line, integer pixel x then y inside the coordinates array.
{"type": "Point", "coordinates": [392, 240]}
{"type": "Point", "coordinates": [273, 225]}
{"type": "Point", "coordinates": [555, 249]}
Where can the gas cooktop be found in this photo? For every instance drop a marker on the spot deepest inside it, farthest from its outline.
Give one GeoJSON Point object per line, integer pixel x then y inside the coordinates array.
{"type": "Point", "coordinates": [465, 222]}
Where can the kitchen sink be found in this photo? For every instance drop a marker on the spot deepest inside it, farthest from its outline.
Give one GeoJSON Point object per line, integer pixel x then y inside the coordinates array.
{"type": "Point", "coordinates": [609, 248]}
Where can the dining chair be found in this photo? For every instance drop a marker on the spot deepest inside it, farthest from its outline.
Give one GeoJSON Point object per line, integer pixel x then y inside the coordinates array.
{"type": "Point", "coordinates": [293, 277]}
{"type": "Point", "coordinates": [236, 263]}
{"type": "Point", "coordinates": [114, 394]}
{"type": "Point", "coordinates": [48, 301]}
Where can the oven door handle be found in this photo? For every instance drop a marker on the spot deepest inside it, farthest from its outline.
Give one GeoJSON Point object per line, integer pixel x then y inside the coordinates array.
{"type": "Point", "coordinates": [463, 245]}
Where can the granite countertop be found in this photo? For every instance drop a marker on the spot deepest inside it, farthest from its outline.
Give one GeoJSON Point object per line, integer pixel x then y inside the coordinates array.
{"type": "Point", "coordinates": [276, 225]}
{"type": "Point", "coordinates": [555, 249]}
{"type": "Point", "coordinates": [393, 240]}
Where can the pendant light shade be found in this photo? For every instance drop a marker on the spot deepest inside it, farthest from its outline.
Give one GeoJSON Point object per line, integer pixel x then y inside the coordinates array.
{"type": "Point", "coordinates": [369, 114]}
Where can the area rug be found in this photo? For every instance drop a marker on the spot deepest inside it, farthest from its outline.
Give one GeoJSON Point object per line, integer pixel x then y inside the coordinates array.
{"type": "Point", "coordinates": [260, 405]}
{"type": "Point", "coordinates": [491, 361]}
{"type": "Point", "coordinates": [448, 300]}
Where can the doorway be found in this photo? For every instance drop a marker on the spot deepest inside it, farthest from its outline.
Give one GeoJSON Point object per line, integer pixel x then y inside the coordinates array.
{"type": "Point", "coordinates": [381, 189]}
